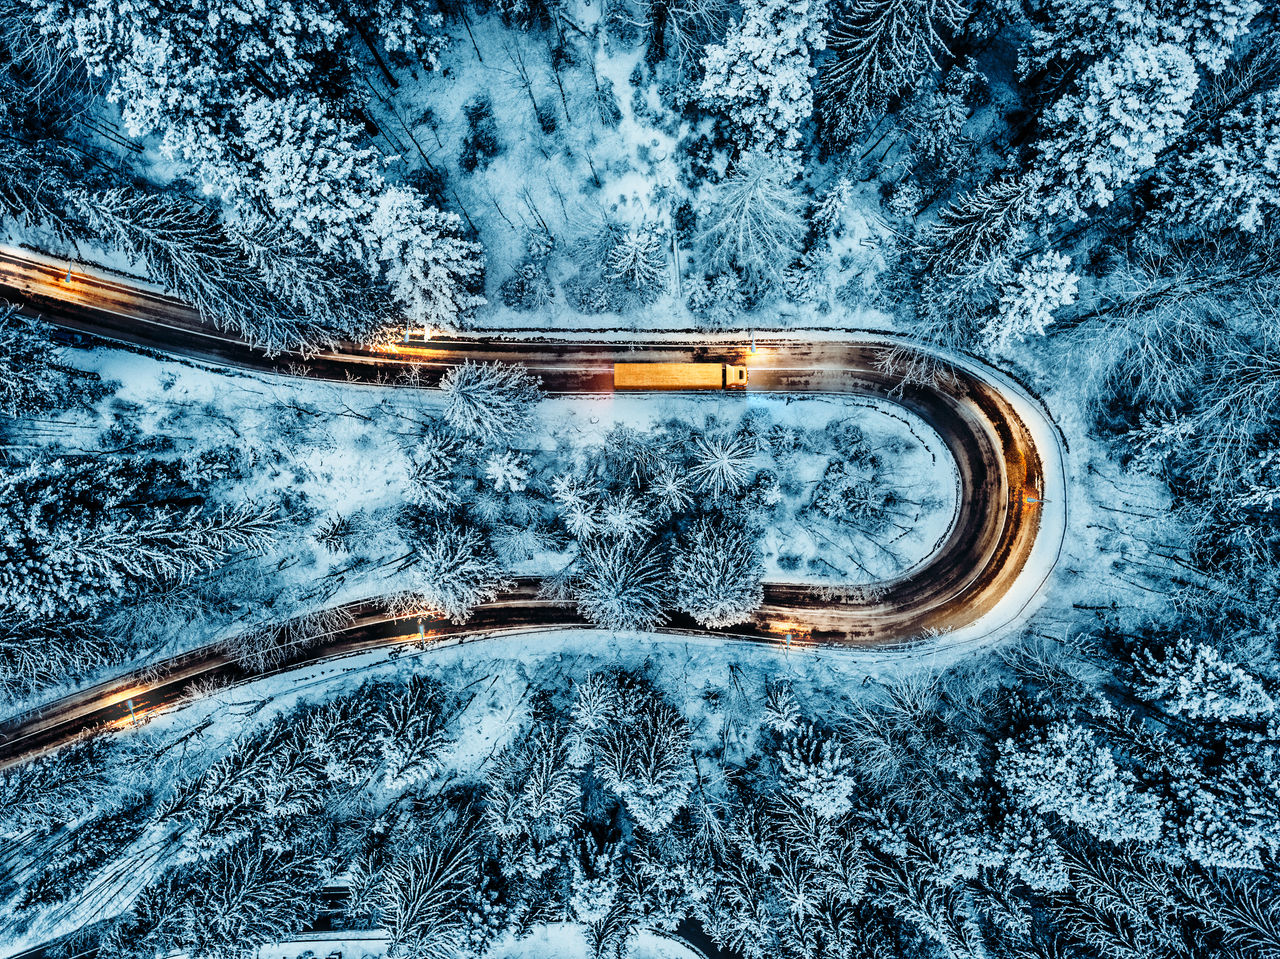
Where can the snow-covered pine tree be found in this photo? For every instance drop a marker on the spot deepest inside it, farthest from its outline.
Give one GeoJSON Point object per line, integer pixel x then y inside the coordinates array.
{"type": "Point", "coordinates": [533, 787]}
{"type": "Point", "coordinates": [1045, 283]}
{"type": "Point", "coordinates": [434, 272]}
{"type": "Point", "coordinates": [1193, 680]}
{"type": "Point", "coordinates": [716, 573]}
{"type": "Point", "coordinates": [722, 462]}
{"type": "Point", "coordinates": [1065, 771]}
{"type": "Point", "coordinates": [755, 222]}
{"type": "Point", "coordinates": [69, 542]}
{"type": "Point", "coordinates": [33, 380]}
{"type": "Point", "coordinates": [1068, 32]}
{"type": "Point", "coordinates": [718, 301]}
{"type": "Point", "coordinates": [816, 773]}
{"type": "Point", "coordinates": [880, 47]}
{"type": "Point", "coordinates": [411, 734]}
{"type": "Point", "coordinates": [624, 516]}
{"type": "Point", "coordinates": [974, 237]}
{"type": "Point", "coordinates": [422, 899]}
{"type": "Point", "coordinates": [1101, 136]}
{"type": "Point", "coordinates": [212, 908]}
{"type": "Point", "coordinates": [507, 470]}
{"type": "Point", "coordinates": [639, 259]}
{"type": "Point", "coordinates": [455, 572]}
{"type": "Point", "coordinates": [620, 585]}
{"type": "Point", "coordinates": [760, 76]}
{"type": "Point", "coordinates": [647, 763]}
{"type": "Point", "coordinates": [490, 401]}
{"type": "Point", "coordinates": [1233, 180]}
{"type": "Point", "coordinates": [254, 104]}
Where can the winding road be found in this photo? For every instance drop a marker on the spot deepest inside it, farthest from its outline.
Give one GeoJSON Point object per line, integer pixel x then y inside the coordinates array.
{"type": "Point", "coordinates": [984, 575]}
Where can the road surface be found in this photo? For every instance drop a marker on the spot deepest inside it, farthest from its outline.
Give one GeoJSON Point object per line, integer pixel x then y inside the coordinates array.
{"type": "Point", "coordinates": [1004, 485]}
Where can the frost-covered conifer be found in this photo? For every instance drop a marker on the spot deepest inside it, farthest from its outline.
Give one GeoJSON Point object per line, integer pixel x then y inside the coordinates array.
{"type": "Point", "coordinates": [1063, 770]}
{"type": "Point", "coordinates": [639, 259]}
{"type": "Point", "coordinates": [490, 401]}
{"type": "Point", "coordinates": [1128, 107]}
{"type": "Point", "coordinates": [32, 379]}
{"type": "Point", "coordinates": [647, 763]}
{"type": "Point", "coordinates": [619, 585]}
{"type": "Point", "coordinates": [880, 47]}
{"type": "Point", "coordinates": [1073, 30]}
{"type": "Point", "coordinates": [1193, 680]}
{"type": "Point", "coordinates": [1027, 303]}
{"type": "Point", "coordinates": [1233, 180]}
{"type": "Point", "coordinates": [422, 898]}
{"type": "Point", "coordinates": [816, 773]}
{"type": "Point", "coordinates": [246, 98]}
{"type": "Point", "coordinates": [624, 517]}
{"type": "Point", "coordinates": [718, 302]}
{"type": "Point", "coordinates": [455, 572]}
{"type": "Point", "coordinates": [781, 711]}
{"type": "Point", "coordinates": [410, 734]}
{"type": "Point", "coordinates": [755, 221]}
{"type": "Point", "coordinates": [722, 462]}
{"type": "Point", "coordinates": [508, 470]}
{"type": "Point", "coordinates": [716, 572]}
{"type": "Point", "coordinates": [760, 76]}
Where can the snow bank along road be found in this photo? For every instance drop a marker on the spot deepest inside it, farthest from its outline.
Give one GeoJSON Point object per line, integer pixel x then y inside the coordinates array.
{"type": "Point", "coordinates": [984, 576]}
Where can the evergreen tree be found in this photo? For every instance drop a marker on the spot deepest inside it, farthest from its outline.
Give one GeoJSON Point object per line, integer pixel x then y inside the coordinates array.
{"type": "Point", "coordinates": [722, 462]}
{"type": "Point", "coordinates": [1127, 109]}
{"type": "Point", "coordinates": [490, 401]}
{"type": "Point", "coordinates": [33, 379]}
{"type": "Point", "coordinates": [755, 221]}
{"type": "Point", "coordinates": [1232, 181]}
{"type": "Point", "coordinates": [760, 76]}
{"type": "Point", "coordinates": [1027, 303]}
{"type": "Point", "coordinates": [455, 572]}
{"type": "Point", "coordinates": [816, 773]}
{"type": "Point", "coordinates": [645, 761]}
{"type": "Point", "coordinates": [1063, 770]}
{"type": "Point", "coordinates": [880, 47]}
{"type": "Point", "coordinates": [620, 586]}
{"type": "Point", "coordinates": [716, 573]}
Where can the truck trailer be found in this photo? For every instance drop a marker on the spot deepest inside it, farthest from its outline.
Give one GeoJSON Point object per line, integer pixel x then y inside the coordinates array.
{"type": "Point", "coordinates": [679, 376]}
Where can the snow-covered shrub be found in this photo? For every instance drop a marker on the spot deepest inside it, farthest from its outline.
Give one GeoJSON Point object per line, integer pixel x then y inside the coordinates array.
{"type": "Point", "coordinates": [481, 143]}
{"type": "Point", "coordinates": [906, 199]}
{"type": "Point", "coordinates": [528, 288]}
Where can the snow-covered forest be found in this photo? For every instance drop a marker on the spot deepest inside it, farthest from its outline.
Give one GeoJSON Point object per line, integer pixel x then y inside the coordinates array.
{"type": "Point", "coordinates": [1079, 199]}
